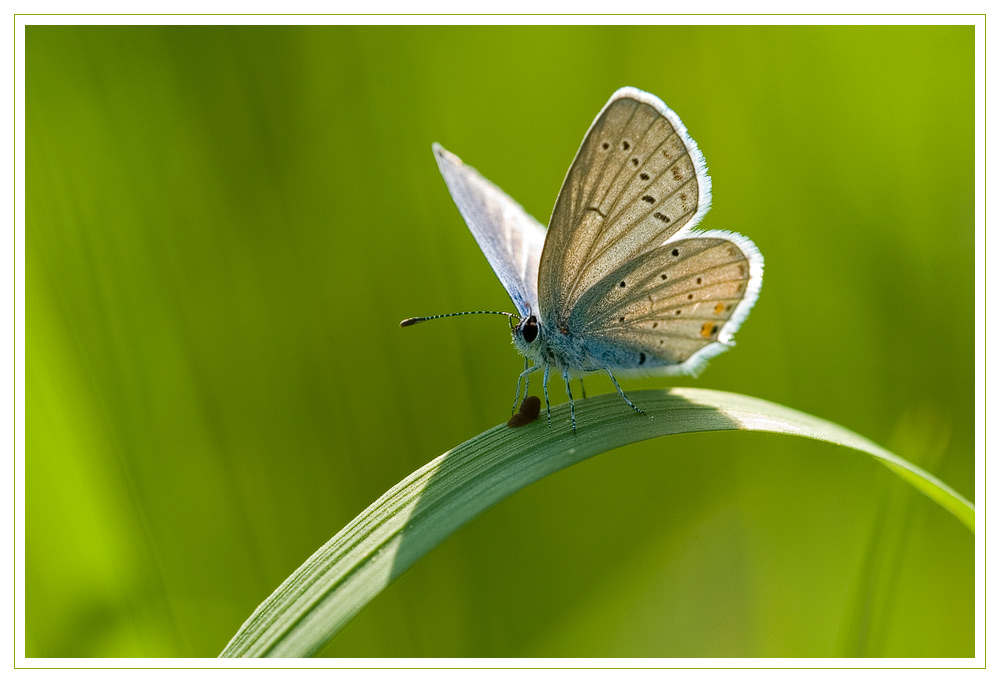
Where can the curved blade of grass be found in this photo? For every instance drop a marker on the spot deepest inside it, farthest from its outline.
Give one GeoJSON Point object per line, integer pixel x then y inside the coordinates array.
{"type": "Point", "coordinates": [418, 513]}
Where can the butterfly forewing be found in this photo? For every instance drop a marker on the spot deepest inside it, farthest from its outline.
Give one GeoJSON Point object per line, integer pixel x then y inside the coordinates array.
{"type": "Point", "coordinates": [673, 305]}
{"type": "Point", "coordinates": [637, 180]}
{"type": "Point", "coordinates": [510, 238]}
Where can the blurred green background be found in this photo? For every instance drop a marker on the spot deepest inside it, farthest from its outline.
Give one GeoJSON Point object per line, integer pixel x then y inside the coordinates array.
{"type": "Point", "coordinates": [225, 225]}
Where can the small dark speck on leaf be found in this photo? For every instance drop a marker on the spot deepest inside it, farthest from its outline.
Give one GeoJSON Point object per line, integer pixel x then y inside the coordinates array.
{"type": "Point", "coordinates": [528, 413]}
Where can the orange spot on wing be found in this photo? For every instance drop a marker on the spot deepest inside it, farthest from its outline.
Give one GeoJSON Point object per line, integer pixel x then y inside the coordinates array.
{"type": "Point", "coordinates": [719, 308]}
{"type": "Point", "coordinates": [708, 329]}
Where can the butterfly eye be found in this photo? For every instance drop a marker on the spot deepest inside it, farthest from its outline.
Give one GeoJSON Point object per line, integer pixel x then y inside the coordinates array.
{"type": "Point", "coordinates": [530, 329]}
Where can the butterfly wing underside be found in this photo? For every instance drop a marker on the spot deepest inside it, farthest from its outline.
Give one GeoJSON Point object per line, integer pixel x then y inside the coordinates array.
{"type": "Point", "coordinates": [509, 237]}
{"type": "Point", "coordinates": [637, 180]}
{"type": "Point", "coordinates": [672, 308]}
{"type": "Point", "coordinates": [622, 268]}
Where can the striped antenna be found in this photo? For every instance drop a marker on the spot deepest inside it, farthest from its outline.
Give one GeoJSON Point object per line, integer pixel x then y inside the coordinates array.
{"type": "Point", "coordinates": [414, 321]}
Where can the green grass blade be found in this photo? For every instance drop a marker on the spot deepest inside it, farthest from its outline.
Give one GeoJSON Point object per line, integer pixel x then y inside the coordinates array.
{"type": "Point", "coordinates": [418, 513]}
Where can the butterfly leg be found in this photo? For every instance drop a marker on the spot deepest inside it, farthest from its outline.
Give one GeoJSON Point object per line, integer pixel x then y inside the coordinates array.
{"type": "Point", "coordinates": [626, 398]}
{"type": "Point", "coordinates": [583, 389]}
{"type": "Point", "coordinates": [545, 390]}
{"type": "Point", "coordinates": [517, 392]}
{"type": "Point", "coordinates": [517, 388]}
{"type": "Point", "coordinates": [569, 392]}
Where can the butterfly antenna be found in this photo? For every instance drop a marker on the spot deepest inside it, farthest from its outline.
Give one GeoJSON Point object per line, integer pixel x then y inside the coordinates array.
{"type": "Point", "coordinates": [414, 321]}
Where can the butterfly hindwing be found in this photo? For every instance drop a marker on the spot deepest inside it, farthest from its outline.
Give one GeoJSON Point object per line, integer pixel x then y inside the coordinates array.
{"type": "Point", "coordinates": [637, 180]}
{"type": "Point", "coordinates": [509, 237]}
{"type": "Point", "coordinates": [673, 307]}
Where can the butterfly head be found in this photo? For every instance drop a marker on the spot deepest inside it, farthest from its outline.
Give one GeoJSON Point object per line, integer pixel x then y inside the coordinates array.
{"type": "Point", "coordinates": [526, 330]}
{"type": "Point", "coordinates": [529, 337]}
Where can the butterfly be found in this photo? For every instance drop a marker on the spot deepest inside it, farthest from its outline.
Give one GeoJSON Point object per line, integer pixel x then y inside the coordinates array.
{"type": "Point", "coordinates": [620, 283]}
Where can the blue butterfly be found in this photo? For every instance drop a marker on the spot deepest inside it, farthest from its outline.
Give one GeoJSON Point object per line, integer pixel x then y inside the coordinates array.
{"type": "Point", "coordinates": [621, 283]}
